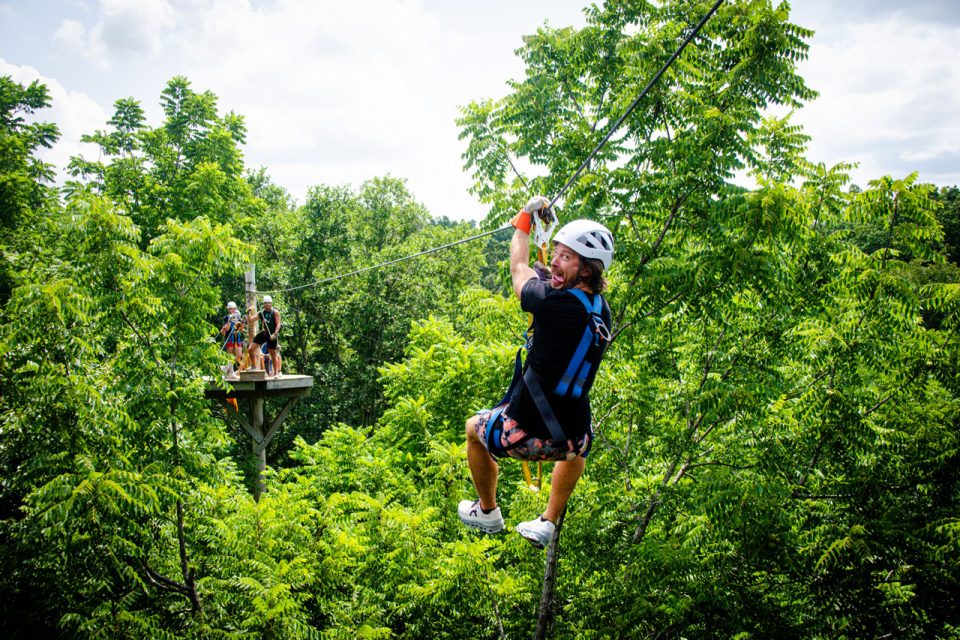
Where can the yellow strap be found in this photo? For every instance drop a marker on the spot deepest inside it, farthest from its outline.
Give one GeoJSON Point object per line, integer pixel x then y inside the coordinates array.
{"type": "Point", "coordinates": [526, 475]}
{"type": "Point", "coordinates": [533, 484]}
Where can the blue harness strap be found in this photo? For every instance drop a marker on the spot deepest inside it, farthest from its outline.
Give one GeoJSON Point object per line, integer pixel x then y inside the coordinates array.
{"type": "Point", "coordinates": [578, 369]}
{"type": "Point", "coordinates": [494, 430]}
{"type": "Point", "coordinates": [572, 381]}
{"type": "Point", "coordinates": [233, 328]}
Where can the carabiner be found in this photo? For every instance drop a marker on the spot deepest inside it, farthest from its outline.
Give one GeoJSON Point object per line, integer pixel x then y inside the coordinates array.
{"type": "Point", "coordinates": [600, 328]}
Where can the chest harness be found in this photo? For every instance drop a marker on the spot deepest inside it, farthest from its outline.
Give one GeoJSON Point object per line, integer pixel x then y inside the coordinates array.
{"type": "Point", "coordinates": [269, 321]}
{"type": "Point", "coordinates": [595, 334]}
{"type": "Point", "coordinates": [234, 334]}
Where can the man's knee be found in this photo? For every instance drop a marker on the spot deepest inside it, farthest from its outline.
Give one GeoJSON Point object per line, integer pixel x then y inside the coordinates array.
{"type": "Point", "coordinates": [471, 428]}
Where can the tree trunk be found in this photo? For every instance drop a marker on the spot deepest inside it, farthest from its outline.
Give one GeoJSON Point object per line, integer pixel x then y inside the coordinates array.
{"type": "Point", "coordinates": [545, 615]}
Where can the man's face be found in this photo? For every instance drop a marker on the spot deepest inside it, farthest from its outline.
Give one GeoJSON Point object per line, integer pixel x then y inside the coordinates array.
{"type": "Point", "coordinates": [565, 267]}
{"type": "Point", "coordinates": [267, 306]}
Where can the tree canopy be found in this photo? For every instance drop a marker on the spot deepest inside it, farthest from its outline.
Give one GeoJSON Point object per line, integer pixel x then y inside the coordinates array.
{"type": "Point", "coordinates": [777, 418]}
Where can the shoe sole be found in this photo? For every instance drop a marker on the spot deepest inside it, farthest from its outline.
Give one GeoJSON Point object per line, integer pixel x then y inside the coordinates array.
{"type": "Point", "coordinates": [534, 541]}
{"type": "Point", "coordinates": [483, 528]}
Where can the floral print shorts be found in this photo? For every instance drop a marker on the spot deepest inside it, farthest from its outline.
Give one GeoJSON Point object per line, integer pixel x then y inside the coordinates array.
{"type": "Point", "coordinates": [512, 441]}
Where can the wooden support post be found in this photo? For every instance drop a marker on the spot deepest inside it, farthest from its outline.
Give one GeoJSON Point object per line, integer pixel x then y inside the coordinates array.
{"type": "Point", "coordinates": [259, 446]}
{"type": "Point", "coordinates": [250, 287]}
{"type": "Point", "coordinates": [254, 420]}
{"type": "Point", "coordinates": [242, 419]}
{"type": "Point", "coordinates": [275, 424]}
{"type": "Point", "coordinates": [264, 434]}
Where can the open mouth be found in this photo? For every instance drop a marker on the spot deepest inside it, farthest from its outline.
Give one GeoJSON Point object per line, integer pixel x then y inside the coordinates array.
{"type": "Point", "coordinates": [556, 281]}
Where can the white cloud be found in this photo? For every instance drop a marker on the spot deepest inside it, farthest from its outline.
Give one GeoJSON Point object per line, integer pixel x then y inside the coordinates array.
{"type": "Point", "coordinates": [124, 28]}
{"type": "Point", "coordinates": [339, 92]}
{"type": "Point", "coordinates": [328, 54]}
{"type": "Point", "coordinates": [134, 26]}
{"type": "Point", "coordinates": [943, 150]}
{"type": "Point", "coordinates": [889, 95]}
{"type": "Point", "coordinates": [74, 113]}
{"type": "Point", "coordinates": [332, 92]}
{"type": "Point", "coordinates": [72, 36]}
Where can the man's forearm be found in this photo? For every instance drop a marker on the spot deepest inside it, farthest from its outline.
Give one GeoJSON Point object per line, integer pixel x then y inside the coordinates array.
{"type": "Point", "coordinates": [520, 270]}
{"type": "Point", "coordinates": [519, 249]}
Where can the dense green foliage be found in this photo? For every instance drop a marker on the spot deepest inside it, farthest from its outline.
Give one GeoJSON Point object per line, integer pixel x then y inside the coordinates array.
{"type": "Point", "coordinates": [778, 418]}
{"type": "Point", "coordinates": [341, 333]}
{"type": "Point", "coordinates": [25, 194]}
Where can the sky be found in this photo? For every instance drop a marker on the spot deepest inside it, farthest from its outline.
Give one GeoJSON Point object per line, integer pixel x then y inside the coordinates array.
{"type": "Point", "coordinates": [338, 92]}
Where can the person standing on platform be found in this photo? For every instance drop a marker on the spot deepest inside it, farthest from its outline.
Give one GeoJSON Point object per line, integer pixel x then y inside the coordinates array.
{"type": "Point", "coordinates": [232, 329]}
{"type": "Point", "coordinates": [270, 318]}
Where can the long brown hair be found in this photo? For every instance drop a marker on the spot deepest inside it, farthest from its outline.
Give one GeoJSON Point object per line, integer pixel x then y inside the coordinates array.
{"type": "Point", "coordinates": [594, 279]}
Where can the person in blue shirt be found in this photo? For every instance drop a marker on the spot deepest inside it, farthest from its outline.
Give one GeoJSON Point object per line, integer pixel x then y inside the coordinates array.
{"type": "Point", "coordinates": [232, 330]}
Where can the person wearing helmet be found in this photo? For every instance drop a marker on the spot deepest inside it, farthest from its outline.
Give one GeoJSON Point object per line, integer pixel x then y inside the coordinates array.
{"type": "Point", "coordinates": [232, 329]}
{"type": "Point", "coordinates": [270, 319]}
{"type": "Point", "coordinates": [545, 415]}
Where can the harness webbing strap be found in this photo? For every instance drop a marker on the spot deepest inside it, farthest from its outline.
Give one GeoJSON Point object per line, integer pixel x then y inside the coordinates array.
{"type": "Point", "coordinates": [543, 406]}
{"type": "Point", "coordinates": [233, 331]}
{"type": "Point", "coordinates": [576, 372]}
{"type": "Point", "coordinates": [573, 381]}
{"type": "Point", "coordinates": [581, 380]}
{"type": "Point", "coordinates": [574, 366]}
{"type": "Point", "coordinates": [494, 430]}
{"type": "Point", "coordinates": [517, 375]}
{"type": "Point", "coordinates": [268, 324]}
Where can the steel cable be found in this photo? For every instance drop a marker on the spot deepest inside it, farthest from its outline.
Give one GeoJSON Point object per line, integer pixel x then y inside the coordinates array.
{"type": "Point", "coordinates": [606, 138]}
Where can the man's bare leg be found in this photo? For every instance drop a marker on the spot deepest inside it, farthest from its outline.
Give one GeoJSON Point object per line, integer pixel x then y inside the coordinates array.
{"type": "Point", "coordinates": [275, 357]}
{"type": "Point", "coordinates": [566, 473]}
{"type": "Point", "coordinates": [483, 468]}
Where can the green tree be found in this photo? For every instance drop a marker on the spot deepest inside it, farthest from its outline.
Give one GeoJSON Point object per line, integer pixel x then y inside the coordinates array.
{"type": "Point", "coordinates": [25, 193]}
{"type": "Point", "coordinates": [189, 166]}
{"type": "Point", "coordinates": [108, 440]}
{"type": "Point", "coordinates": [776, 420]}
{"type": "Point", "coordinates": [949, 217]}
{"type": "Point", "coordinates": [341, 331]}
{"type": "Point", "coordinates": [717, 407]}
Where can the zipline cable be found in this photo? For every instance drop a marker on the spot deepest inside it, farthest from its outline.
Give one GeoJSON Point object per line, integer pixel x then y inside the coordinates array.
{"type": "Point", "coordinates": [636, 102]}
{"type": "Point", "coordinates": [616, 125]}
{"type": "Point", "coordinates": [389, 262]}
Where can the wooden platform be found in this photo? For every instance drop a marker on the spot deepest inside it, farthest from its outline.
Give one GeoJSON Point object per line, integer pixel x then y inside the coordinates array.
{"type": "Point", "coordinates": [251, 414]}
{"type": "Point", "coordinates": [284, 386]}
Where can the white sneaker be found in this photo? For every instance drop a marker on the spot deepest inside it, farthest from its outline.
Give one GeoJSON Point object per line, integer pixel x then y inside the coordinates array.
{"type": "Point", "coordinates": [473, 516]}
{"type": "Point", "coordinates": [538, 532]}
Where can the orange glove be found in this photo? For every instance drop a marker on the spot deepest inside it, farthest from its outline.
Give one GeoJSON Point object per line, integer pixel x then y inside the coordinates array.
{"type": "Point", "coordinates": [522, 221]}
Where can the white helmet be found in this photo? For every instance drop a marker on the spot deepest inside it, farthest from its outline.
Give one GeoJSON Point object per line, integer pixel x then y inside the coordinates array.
{"type": "Point", "coordinates": [231, 305]}
{"type": "Point", "coordinates": [267, 299]}
{"type": "Point", "coordinates": [589, 239]}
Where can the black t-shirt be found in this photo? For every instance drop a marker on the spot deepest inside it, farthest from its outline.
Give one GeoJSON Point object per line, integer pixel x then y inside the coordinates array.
{"type": "Point", "coordinates": [559, 320]}
{"type": "Point", "coordinates": [269, 319]}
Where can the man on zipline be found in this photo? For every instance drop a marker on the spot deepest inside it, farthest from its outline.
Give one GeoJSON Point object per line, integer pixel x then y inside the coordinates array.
{"type": "Point", "coordinates": [546, 413]}
{"type": "Point", "coordinates": [270, 318]}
